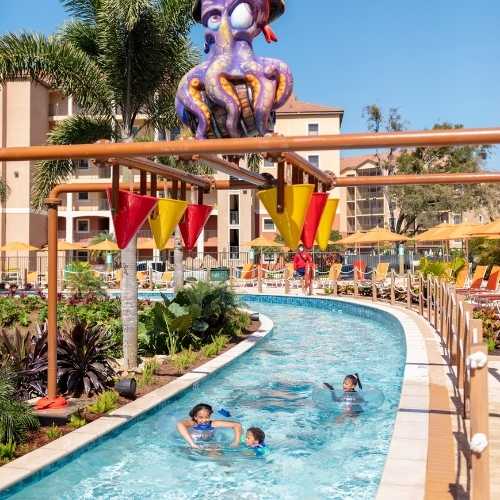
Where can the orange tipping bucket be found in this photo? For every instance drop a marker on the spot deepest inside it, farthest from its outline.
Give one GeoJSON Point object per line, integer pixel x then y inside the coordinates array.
{"type": "Point", "coordinates": [291, 222]}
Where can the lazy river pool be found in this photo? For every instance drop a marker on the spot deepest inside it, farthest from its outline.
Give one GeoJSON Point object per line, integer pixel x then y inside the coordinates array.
{"type": "Point", "coordinates": [313, 453]}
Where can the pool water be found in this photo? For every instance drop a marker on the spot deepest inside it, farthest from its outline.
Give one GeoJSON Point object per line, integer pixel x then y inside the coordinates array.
{"type": "Point", "coordinates": [313, 453]}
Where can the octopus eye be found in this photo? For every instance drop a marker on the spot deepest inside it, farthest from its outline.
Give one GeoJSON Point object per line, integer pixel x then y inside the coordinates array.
{"type": "Point", "coordinates": [241, 17]}
{"type": "Point", "coordinates": [214, 21]}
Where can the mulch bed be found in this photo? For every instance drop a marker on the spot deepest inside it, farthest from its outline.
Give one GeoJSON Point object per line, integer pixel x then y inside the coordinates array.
{"type": "Point", "coordinates": [165, 374]}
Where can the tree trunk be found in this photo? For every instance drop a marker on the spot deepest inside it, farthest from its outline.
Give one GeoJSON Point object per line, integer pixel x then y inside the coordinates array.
{"type": "Point", "coordinates": [178, 261]}
{"type": "Point", "coordinates": [129, 304]}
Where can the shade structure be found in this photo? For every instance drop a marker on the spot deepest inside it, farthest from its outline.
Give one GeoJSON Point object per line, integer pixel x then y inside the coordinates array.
{"type": "Point", "coordinates": [18, 246]}
{"type": "Point", "coordinates": [326, 223]}
{"type": "Point", "coordinates": [289, 223]}
{"type": "Point", "coordinates": [380, 235]}
{"type": "Point", "coordinates": [313, 218]}
{"type": "Point", "coordinates": [66, 246]}
{"type": "Point", "coordinates": [491, 229]}
{"type": "Point", "coordinates": [150, 244]}
{"type": "Point", "coordinates": [193, 222]}
{"type": "Point", "coordinates": [104, 246]}
{"type": "Point", "coordinates": [163, 219]}
{"type": "Point", "coordinates": [433, 234]}
{"type": "Point", "coordinates": [351, 239]}
{"type": "Point", "coordinates": [262, 242]}
{"type": "Point", "coordinates": [133, 210]}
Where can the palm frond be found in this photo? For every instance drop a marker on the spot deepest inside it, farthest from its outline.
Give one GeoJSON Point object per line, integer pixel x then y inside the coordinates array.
{"type": "Point", "coordinates": [82, 35]}
{"type": "Point", "coordinates": [76, 129]}
{"type": "Point", "coordinates": [57, 63]}
{"type": "Point", "coordinates": [4, 190]}
{"type": "Point", "coordinates": [177, 13]}
{"type": "Point", "coordinates": [254, 161]}
{"type": "Point", "coordinates": [84, 10]}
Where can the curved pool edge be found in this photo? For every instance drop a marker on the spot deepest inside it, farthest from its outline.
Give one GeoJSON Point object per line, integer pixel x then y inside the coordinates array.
{"type": "Point", "coordinates": [23, 468]}
{"type": "Point", "coordinates": [404, 474]}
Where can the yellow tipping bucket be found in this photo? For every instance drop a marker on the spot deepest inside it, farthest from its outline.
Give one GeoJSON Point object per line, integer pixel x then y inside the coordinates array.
{"type": "Point", "coordinates": [164, 218]}
{"type": "Point", "coordinates": [326, 222]}
{"type": "Point", "coordinates": [291, 221]}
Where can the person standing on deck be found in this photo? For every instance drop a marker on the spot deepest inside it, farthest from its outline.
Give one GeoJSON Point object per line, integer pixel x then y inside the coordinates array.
{"type": "Point", "coordinates": [302, 261]}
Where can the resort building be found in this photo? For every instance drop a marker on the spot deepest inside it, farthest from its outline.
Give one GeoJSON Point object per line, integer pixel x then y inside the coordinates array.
{"type": "Point", "coordinates": [29, 110]}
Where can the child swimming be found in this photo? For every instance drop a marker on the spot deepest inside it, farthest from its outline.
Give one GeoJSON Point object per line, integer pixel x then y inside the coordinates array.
{"type": "Point", "coordinates": [350, 397]}
{"type": "Point", "coordinates": [200, 428]}
{"type": "Point", "coordinates": [254, 439]}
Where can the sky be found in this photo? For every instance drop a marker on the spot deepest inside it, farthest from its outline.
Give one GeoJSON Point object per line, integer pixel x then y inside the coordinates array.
{"type": "Point", "coordinates": [435, 60]}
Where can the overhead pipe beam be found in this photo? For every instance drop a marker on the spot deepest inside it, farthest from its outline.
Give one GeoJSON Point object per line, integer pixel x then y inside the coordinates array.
{"type": "Point", "coordinates": [308, 168]}
{"type": "Point", "coordinates": [145, 165]}
{"type": "Point", "coordinates": [232, 169]}
{"type": "Point", "coordinates": [271, 144]}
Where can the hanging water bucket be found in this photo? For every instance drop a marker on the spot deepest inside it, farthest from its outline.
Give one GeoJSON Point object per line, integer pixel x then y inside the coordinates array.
{"type": "Point", "coordinates": [193, 222]}
{"type": "Point", "coordinates": [291, 221]}
{"type": "Point", "coordinates": [133, 210]}
{"type": "Point", "coordinates": [326, 222]}
{"type": "Point", "coordinates": [163, 219]}
{"type": "Point", "coordinates": [313, 216]}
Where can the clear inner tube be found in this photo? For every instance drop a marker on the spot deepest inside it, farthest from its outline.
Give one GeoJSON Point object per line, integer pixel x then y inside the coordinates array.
{"type": "Point", "coordinates": [354, 403]}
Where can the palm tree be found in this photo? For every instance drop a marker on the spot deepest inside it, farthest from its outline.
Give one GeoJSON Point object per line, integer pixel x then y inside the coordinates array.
{"type": "Point", "coordinates": [117, 58]}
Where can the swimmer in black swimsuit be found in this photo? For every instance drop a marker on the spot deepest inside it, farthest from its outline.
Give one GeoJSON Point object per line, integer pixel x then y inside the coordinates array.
{"type": "Point", "coordinates": [350, 397]}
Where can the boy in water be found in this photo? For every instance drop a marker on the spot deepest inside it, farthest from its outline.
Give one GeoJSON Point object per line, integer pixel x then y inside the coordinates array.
{"type": "Point", "coordinates": [254, 439]}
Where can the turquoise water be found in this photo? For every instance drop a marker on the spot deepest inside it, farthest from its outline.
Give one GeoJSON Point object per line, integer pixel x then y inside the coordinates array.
{"type": "Point", "coordinates": [314, 454]}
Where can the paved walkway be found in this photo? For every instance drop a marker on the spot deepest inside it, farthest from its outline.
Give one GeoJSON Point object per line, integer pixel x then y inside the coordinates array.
{"type": "Point", "coordinates": [494, 429]}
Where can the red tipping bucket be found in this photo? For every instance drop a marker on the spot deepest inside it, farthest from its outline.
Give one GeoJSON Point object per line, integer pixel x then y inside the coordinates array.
{"type": "Point", "coordinates": [313, 216]}
{"type": "Point", "coordinates": [193, 222]}
{"type": "Point", "coordinates": [133, 210]}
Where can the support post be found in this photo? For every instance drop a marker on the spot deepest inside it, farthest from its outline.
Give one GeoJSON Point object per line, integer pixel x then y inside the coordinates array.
{"type": "Point", "coordinates": [143, 187]}
{"type": "Point", "coordinates": [421, 295]}
{"type": "Point", "coordinates": [259, 278]}
{"type": "Point", "coordinates": [154, 185]}
{"type": "Point", "coordinates": [393, 291]}
{"type": "Point", "coordinates": [479, 421]}
{"type": "Point", "coordinates": [335, 286]}
{"type": "Point", "coordinates": [408, 290]}
{"type": "Point", "coordinates": [280, 187]}
{"type": "Point", "coordinates": [115, 186]}
{"type": "Point", "coordinates": [52, 401]}
{"type": "Point", "coordinates": [183, 190]}
{"type": "Point", "coordinates": [429, 299]}
{"type": "Point", "coordinates": [287, 281]}
{"type": "Point", "coordinates": [356, 286]}
{"type": "Point", "coordinates": [374, 291]}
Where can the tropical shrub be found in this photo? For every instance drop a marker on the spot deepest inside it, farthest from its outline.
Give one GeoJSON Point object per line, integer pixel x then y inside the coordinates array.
{"type": "Point", "coordinates": [76, 421]}
{"type": "Point", "coordinates": [81, 280]}
{"type": "Point", "coordinates": [83, 358]}
{"type": "Point", "coordinates": [491, 326]}
{"type": "Point", "coordinates": [150, 368]}
{"type": "Point", "coordinates": [53, 432]}
{"type": "Point", "coordinates": [106, 401]}
{"type": "Point", "coordinates": [184, 360]}
{"type": "Point", "coordinates": [215, 347]}
{"type": "Point", "coordinates": [13, 311]}
{"type": "Point", "coordinates": [26, 355]}
{"type": "Point", "coordinates": [7, 451]}
{"type": "Point", "coordinates": [435, 268]}
{"type": "Point", "coordinates": [16, 417]}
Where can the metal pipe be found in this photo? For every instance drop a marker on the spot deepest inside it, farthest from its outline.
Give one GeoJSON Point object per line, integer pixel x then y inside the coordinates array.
{"type": "Point", "coordinates": [145, 165]}
{"type": "Point", "coordinates": [307, 167]}
{"type": "Point", "coordinates": [52, 300]}
{"type": "Point", "coordinates": [232, 169]}
{"type": "Point", "coordinates": [400, 180]}
{"type": "Point", "coordinates": [271, 144]}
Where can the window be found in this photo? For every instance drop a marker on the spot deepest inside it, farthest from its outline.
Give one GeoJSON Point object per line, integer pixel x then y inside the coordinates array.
{"type": "Point", "coordinates": [234, 209]}
{"type": "Point", "coordinates": [268, 163]}
{"type": "Point", "coordinates": [83, 196]}
{"type": "Point", "coordinates": [82, 225]}
{"type": "Point", "coordinates": [269, 225]}
{"type": "Point", "coordinates": [82, 164]}
{"type": "Point", "coordinates": [313, 128]}
{"type": "Point", "coordinates": [457, 219]}
{"type": "Point", "coordinates": [314, 160]}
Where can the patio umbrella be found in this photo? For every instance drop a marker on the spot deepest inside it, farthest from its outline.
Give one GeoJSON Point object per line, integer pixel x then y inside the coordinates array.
{"type": "Point", "coordinates": [104, 246]}
{"type": "Point", "coordinates": [491, 229]}
{"type": "Point", "coordinates": [262, 242]}
{"type": "Point", "coordinates": [381, 235]}
{"type": "Point", "coordinates": [149, 244]}
{"type": "Point", "coordinates": [433, 234]}
{"type": "Point", "coordinates": [66, 246]}
{"type": "Point", "coordinates": [18, 246]}
{"type": "Point", "coordinates": [351, 239]}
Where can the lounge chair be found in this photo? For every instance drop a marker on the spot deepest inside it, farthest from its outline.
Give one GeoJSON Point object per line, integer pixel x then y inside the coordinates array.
{"type": "Point", "coordinates": [247, 276]}
{"type": "Point", "coordinates": [476, 281]}
{"type": "Point", "coordinates": [275, 278]}
{"type": "Point", "coordinates": [378, 278]}
{"type": "Point", "coordinates": [326, 280]}
{"type": "Point", "coordinates": [142, 279]}
{"type": "Point", "coordinates": [166, 280]}
{"type": "Point", "coordinates": [490, 291]}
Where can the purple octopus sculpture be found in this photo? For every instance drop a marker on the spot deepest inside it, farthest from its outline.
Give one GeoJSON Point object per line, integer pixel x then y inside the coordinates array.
{"type": "Point", "coordinates": [234, 93]}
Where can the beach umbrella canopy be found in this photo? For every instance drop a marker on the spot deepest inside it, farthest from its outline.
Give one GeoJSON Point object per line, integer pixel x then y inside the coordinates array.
{"type": "Point", "coordinates": [433, 234]}
{"type": "Point", "coordinates": [380, 235]}
{"type": "Point", "coordinates": [491, 229]}
{"type": "Point", "coordinates": [352, 239]}
{"type": "Point", "coordinates": [104, 246]}
{"type": "Point", "coordinates": [17, 246]}
{"type": "Point", "coordinates": [262, 242]}
{"type": "Point", "coordinates": [149, 244]}
{"type": "Point", "coordinates": [66, 246]}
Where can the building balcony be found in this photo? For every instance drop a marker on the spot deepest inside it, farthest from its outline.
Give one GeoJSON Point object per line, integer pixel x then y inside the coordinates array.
{"type": "Point", "coordinates": [234, 217]}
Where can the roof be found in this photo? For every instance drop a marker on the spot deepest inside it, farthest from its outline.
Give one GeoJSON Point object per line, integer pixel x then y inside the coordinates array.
{"type": "Point", "coordinates": [295, 107]}
{"type": "Point", "coordinates": [354, 162]}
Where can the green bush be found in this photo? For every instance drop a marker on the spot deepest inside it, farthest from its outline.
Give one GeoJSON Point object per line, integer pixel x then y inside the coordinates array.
{"type": "Point", "coordinates": [81, 280]}
{"type": "Point", "coordinates": [184, 360]}
{"type": "Point", "coordinates": [53, 432]}
{"type": "Point", "coordinates": [491, 326]}
{"type": "Point", "coordinates": [7, 451]}
{"type": "Point", "coordinates": [150, 368]}
{"type": "Point", "coordinates": [435, 268]}
{"type": "Point", "coordinates": [215, 347]}
{"type": "Point", "coordinates": [76, 421]}
{"type": "Point", "coordinates": [106, 401]}
{"type": "Point", "coordinates": [16, 417]}
{"type": "Point", "coordinates": [15, 311]}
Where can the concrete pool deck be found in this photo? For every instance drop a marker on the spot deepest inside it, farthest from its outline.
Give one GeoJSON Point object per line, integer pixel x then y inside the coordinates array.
{"type": "Point", "coordinates": [421, 462]}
